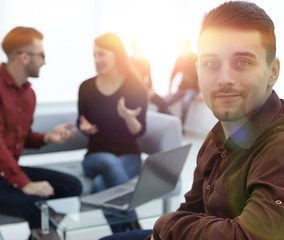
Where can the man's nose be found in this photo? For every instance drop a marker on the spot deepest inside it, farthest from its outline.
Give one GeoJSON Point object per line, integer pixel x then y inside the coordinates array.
{"type": "Point", "coordinates": [226, 76]}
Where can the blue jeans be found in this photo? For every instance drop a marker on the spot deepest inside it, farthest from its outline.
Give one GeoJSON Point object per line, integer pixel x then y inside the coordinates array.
{"type": "Point", "coordinates": [187, 96]}
{"type": "Point", "coordinates": [109, 170]}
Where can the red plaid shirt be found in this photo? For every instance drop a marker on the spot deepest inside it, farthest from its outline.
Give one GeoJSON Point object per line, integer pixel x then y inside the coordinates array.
{"type": "Point", "coordinates": [17, 107]}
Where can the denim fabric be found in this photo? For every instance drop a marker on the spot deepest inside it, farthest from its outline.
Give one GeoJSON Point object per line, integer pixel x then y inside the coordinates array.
{"type": "Point", "coordinates": [109, 170]}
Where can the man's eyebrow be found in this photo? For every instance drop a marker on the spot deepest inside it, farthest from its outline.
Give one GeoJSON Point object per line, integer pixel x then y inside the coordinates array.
{"type": "Point", "coordinates": [248, 54]}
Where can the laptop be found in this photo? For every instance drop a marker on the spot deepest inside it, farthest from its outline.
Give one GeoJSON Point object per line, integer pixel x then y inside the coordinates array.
{"type": "Point", "coordinates": [159, 175]}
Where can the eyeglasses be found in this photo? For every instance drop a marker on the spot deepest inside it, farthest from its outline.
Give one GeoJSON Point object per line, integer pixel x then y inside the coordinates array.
{"type": "Point", "coordinates": [42, 55]}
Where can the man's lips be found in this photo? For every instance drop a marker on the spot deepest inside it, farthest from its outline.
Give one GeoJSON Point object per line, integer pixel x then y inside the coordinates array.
{"type": "Point", "coordinates": [227, 96]}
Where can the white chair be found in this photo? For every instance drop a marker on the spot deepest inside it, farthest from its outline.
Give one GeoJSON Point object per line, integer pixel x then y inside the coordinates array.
{"type": "Point", "coordinates": [163, 133]}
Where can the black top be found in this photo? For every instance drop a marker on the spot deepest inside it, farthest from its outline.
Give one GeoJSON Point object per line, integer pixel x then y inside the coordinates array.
{"type": "Point", "coordinates": [113, 135]}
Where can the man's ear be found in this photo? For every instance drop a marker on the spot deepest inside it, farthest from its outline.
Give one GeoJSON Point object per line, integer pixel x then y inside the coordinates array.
{"type": "Point", "coordinates": [23, 57]}
{"type": "Point", "coordinates": [274, 72]}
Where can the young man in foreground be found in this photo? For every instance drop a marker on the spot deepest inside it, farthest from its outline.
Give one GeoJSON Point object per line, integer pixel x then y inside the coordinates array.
{"type": "Point", "coordinates": [238, 188]}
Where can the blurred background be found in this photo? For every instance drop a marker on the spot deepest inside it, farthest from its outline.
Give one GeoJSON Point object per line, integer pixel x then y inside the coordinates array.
{"type": "Point", "coordinates": [69, 27]}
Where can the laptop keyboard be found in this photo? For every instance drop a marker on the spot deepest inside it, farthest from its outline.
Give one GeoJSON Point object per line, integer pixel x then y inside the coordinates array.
{"type": "Point", "coordinates": [122, 200]}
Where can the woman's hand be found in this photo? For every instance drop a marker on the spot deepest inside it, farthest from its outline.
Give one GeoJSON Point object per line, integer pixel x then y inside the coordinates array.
{"type": "Point", "coordinates": [125, 112]}
{"type": "Point", "coordinates": [129, 116]}
{"type": "Point", "coordinates": [86, 127]}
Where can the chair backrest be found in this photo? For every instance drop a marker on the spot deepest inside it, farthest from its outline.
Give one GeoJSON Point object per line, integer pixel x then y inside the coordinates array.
{"type": "Point", "coordinates": [44, 122]}
{"type": "Point", "coordinates": [163, 132]}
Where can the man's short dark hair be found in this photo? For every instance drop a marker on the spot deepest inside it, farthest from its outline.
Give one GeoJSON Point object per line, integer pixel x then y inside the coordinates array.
{"type": "Point", "coordinates": [19, 37]}
{"type": "Point", "coordinates": [245, 16]}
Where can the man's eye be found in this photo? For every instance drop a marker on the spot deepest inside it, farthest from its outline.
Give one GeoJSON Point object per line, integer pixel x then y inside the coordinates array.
{"type": "Point", "coordinates": [242, 63]}
{"type": "Point", "coordinates": [212, 64]}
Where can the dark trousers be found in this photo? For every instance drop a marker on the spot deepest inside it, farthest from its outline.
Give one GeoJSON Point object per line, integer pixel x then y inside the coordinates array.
{"type": "Point", "coordinates": [132, 235]}
{"type": "Point", "coordinates": [124, 221]}
{"type": "Point", "coordinates": [16, 203]}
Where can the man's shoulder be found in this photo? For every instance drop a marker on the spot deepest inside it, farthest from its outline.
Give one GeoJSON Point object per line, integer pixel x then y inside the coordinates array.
{"type": "Point", "coordinates": [278, 122]}
{"type": "Point", "coordinates": [1, 74]}
{"type": "Point", "coordinates": [2, 80]}
{"type": "Point", "coordinates": [279, 118]}
{"type": "Point", "coordinates": [274, 132]}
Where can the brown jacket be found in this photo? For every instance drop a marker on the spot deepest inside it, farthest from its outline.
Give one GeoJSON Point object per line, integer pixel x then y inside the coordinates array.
{"type": "Point", "coordinates": [238, 188]}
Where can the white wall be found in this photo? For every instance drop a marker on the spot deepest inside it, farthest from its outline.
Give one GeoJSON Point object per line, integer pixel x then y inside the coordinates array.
{"type": "Point", "coordinates": [70, 26]}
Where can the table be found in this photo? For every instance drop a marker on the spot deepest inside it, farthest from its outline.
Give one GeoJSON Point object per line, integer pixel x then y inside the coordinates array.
{"type": "Point", "coordinates": [69, 215]}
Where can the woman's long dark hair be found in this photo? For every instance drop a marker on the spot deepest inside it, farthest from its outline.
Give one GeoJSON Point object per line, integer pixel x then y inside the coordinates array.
{"type": "Point", "coordinates": [112, 42]}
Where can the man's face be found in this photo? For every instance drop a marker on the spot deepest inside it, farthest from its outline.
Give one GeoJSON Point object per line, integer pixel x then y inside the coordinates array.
{"type": "Point", "coordinates": [234, 76]}
{"type": "Point", "coordinates": [36, 61]}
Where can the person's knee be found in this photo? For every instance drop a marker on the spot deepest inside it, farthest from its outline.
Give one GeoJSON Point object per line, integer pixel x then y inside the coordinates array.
{"type": "Point", "coordinates": [77, 187]}
{"type": "Point", "coordinates": [73, 187]}
{"type": "Point", "coordinates": [99, 160]}
{"type": "Point", "coordinates": [98, 184]}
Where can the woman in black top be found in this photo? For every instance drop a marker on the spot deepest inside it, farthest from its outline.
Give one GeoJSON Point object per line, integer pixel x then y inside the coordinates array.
{"type": "Point", "coordinates": [112, 108]}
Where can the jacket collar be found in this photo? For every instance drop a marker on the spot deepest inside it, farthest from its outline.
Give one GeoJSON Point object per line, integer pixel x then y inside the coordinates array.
{"type": "Point", "coordinates": [8, 79]}
{"type": "Point", "coordinates": [253, 128]}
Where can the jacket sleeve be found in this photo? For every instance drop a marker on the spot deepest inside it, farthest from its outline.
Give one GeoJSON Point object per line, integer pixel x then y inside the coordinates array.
{"type": "Point", "coordinates": [261, 218]}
